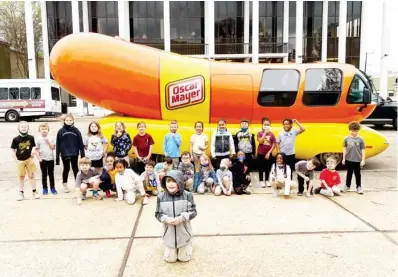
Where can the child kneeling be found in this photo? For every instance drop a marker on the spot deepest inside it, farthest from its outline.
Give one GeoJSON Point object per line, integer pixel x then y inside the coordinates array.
{"type": "Point", "coordinates": [128, 181]}
{"type": "Point", "coordinates": [241, 174]}
{"type": "Point", "coordinates": [224, 177]}
{"type": "Point", "coordinates": [205, 178]}
{"type": "Point", "coordinates": [330, 179]}
{"type": "Point", "coordinates": [177, 234]}
{"type": "Point", "coordinates": [87, 177]}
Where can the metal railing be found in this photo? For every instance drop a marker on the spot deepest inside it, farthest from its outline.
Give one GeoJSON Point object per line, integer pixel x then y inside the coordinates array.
{"type": "Point", "coordinates": [189, 48]}
{"type": "Point", "coordinates": [232, 48]}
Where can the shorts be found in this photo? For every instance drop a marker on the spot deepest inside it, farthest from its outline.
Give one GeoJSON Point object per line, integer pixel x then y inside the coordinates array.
{"type": "Point", "coordinates": [98, 163]}
{"type": "Point", "coordinates": [28, 166]}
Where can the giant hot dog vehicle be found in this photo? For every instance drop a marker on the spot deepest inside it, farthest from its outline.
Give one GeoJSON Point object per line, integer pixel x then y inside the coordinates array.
{"type": "Point", "coordinates": [140, 83]}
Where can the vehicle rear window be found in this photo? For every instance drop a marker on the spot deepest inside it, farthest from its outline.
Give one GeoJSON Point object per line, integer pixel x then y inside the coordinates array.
{"type": "Point", "coordinates": [322, 87]}
{"type": "Point", "coordinates": [24, 93]}
{"type": "Point", "coordinates": [36, 93]}
{"type": "Point", "coordinates": [278, 87]}
{"type": "Point", "coordinates": [3, 93]}
{"type": "Point", "coordinates": [55, 94]}
{"type": "Point", "coordinates": [14, 93]}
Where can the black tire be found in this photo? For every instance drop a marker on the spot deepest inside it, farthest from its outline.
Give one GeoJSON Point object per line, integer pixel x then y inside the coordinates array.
{"type": "Point", "coordinates": [12, 116]}
{"type": "Point", "coordinates": [394, 124]}
{"type": "Point", "coordinates": [379, 126]}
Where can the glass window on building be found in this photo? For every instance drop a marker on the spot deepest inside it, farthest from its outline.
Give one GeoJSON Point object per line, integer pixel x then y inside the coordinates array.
{"type": "Point", "coordinates": [59, 20]}
{"type": "Point", "coordinates": [278, 88]}
{"type": "Point", "coordinates": [333, 24]}
{"type": "Point", "coordinates": [146, 23]}
{"type": "Point", "coordinates": [322, 87]}
{"type": "Point", "coordinates": [353, 40]}
{"type": "Point", "coordinates": [292, 31]}
{"type": "Point", "coordinates": [103, 17]}
{"type": "Point", "coordinates": [271, 27]}
{"type": "Point", "coordinates": [187, 27]}
{"type": "Point", "coordinates": [229, 27]}
{"type": "Point", "coordinates": [312, 31]}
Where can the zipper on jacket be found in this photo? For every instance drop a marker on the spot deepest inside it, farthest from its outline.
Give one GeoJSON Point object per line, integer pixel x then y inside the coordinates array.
{"type": "Point", "coordinates": [175, 228]}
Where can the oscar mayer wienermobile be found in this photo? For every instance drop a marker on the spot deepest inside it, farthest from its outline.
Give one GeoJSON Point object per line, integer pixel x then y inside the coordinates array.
{"type": "Point", "coordinates": [143, 83]}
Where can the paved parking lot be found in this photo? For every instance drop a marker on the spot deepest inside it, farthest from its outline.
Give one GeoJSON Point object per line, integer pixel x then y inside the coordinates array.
{"type": "Point", "coordinates": [255, 235]}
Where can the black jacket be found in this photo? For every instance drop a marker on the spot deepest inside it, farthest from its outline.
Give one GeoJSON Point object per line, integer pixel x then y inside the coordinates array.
{"type": "Point", "coordinates": [69, 143]}
{"type": "Point", "coordinates": [239, 172]}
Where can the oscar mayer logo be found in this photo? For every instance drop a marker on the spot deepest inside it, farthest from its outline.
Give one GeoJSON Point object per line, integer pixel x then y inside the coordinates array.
{"type": "Point", "coordinates": [186, 92]}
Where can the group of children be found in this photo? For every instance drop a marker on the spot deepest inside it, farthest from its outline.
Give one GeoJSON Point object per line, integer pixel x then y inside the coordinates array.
{"type": "Point", "coordinates": [174, 180]}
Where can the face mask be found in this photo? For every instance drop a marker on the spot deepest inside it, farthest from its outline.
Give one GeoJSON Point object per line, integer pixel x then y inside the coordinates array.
{"type": "Point", "coordinates": [23, 134]}
{"type": "Point", "coordinates": [241, 159]}
{"type": "Point", "coordinates": [222, 168]}
{"type": "Point", "coordinates": [205, 164]}
{"type": "Point", "coordinates": [67, 126]}
{"type": "Point", "coordinates": [244, 129]}
{"type": "Point", "coordinates": [94, 133]}
{"type": "Point", "coordinates": [221, 131]}
{"type": "Point", "coordinates": [266, 128]}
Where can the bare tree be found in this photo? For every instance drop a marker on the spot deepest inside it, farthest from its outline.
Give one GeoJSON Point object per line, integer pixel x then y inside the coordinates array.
{"type": "Point", "coordinates": [13, 31]}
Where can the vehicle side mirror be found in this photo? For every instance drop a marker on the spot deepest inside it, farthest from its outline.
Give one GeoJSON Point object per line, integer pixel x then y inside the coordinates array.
{"type": "Point", "coordinates": [367, 97]}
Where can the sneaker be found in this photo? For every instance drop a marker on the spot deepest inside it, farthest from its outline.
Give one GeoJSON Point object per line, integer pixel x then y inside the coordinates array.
{"type": "Point", "coordinates": [79, 200]}
{"type": "Point", "coordinates": [317, 190]}
{"type": "Point", "coordinates": [45, 191]}
{"type": "Point", "coordinates": [97, 196]}
{"type": "Point", "coordinates": [246, 192]}
{"type": "Point", "coordinates": [345, 189]}
{"type": "Point", "coordinates": [107, 194]}
{"type": "Point", "coordinates": [65, 185]}
{"type": "Point", "coordinates": [36, 195]}
{"type": "Point", "coordinates": [275, 194]}
{"type": "Point", "coordinates": [54, 191]}
{"type": "Point", "coordinates": [359, 190]}
{"type": "Point", "coordinates": [268, 184]}
{"type": "Point", "coordinates": [84, 195]}
{"type": "Point", "coordinates": [261, 184]}
{"type": "Point", "coordinates": [20, 196]}
{"type": "Point", "coordinates": [300, 193]}
{"type": "Point", "coordinates": [145, 201]}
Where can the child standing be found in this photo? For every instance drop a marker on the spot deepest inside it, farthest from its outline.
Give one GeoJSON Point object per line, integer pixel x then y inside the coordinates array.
{"type": "Point", "coordinates": [23, 150]}
{"type": "Point", "coordinates": [108, 175]}
{"type": "Point", "coordinates": [171, 144]}
{"type": "Point", "coordinates": [69, 143]}
{"type": "Point", "coordinates": [305, 172]}
{"type": "Point", "coordinates": [286, 141]}
{"type": "Point", "coordinates": [280, 176]}
{"type": "Point", "coordinates": [150, 179]}
{"type": "Point", "coordinates": [354, 156]}
{"type": "Point", "coordinates": [245, 141]}
{"type": "Point", "coordinates": [240, 174]}
{"type": "Point", "coordinates": [87, 177]}
{"type": "Point", "coordinates": [222, 143]}
{"type": "Point", "coordinates": [224, 177]}
{"type": "Point", "coordinates": [142, 143]}
{"type": "Point", "coordinates": [330, 179]}
{"type": "Point", "coordinates": [121, 142]}
{"type": "Point", "coordinates": [266, 144]}
{"type": "Point", "coordinates": [187, 169]}
{"type": "Point", "coordinates": [199, 143]}
{"type": "Point", "coordinates": [163, 168]}
{"type": "Point", "coordinates": [176, 219]}
{"type": "Point", "coordinates": [96, 145]}
{"type": "Point", "coordinates": [127, 180]}
{"type": "Point", "coordinates": [45, 146]}
{"type": "Point", "coordinates": [205, 177]}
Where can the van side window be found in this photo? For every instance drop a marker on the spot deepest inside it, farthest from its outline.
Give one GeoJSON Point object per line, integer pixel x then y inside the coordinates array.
{"type": "Point", "coordinates": [35, 93]}
{"type": "Point", "coordinates": [3, 93]}
{"type": "Point", "coordinates": [322, 87]}
{"type": "Point", "coordinates": [355, 93]}
{"type": "Point", "coordinates": [278, 87]}
{"type": "Point", "coordinates": [14, 94]}
{"type": "Point", "coordinates": [25, 93]}
{"type": "Point", "coordinates": [55, 94]}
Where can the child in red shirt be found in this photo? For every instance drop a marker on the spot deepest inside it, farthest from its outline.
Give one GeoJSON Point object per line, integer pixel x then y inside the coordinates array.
{"type": "Point", "coordinates": [142, 144]}
{"type": "Point", "coordinates": [330, 179]}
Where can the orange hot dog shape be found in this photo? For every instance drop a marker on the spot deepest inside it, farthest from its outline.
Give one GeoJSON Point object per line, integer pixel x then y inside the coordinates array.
{"type": "Point", "coordinates": [144, 82]}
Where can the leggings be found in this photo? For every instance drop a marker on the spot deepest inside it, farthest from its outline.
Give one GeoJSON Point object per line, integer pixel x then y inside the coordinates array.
{"type": "Point", "coordinates": [67, 161]}
{"type": "Point", "coordinates": [264, 166]}
{"type": "Point", "coordinates": [353, 167]}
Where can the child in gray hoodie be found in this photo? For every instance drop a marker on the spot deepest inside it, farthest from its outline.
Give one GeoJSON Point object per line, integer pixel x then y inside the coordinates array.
{"type": "Point", "coordinates": [176, 208]}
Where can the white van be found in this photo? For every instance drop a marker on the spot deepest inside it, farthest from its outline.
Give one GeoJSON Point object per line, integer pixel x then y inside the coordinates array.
{"type": "Point", "coordinates": [29, 99]}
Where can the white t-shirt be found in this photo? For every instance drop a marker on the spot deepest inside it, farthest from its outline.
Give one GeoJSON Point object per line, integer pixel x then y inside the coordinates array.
{"type": "Point", "coordinates": [95, 147]}
{"type": "Point", "coordinates": [45, 152]}
{"type": "Point", "coordinates": [198, 140]}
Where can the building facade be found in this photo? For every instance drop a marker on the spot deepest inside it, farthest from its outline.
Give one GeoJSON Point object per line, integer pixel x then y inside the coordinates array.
{"type": "Point", "coordinates": [237, 31]}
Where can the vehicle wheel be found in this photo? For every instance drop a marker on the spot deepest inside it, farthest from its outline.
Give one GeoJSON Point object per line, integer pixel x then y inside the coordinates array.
{"type": "Point", "coordinates": [12, 116]}
{"type": "Point", "coordinates": [324, 156]}
{"type": "Point", "coordinates": [394, 124]}
{"type": "Point", "coordinates": [379, 126]}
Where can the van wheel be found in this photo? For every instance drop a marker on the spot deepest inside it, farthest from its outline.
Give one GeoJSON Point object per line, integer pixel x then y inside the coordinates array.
{"type": "Point", "coordinates": [324, 156]}
{"type": "Point", "coordinates": [12, 116]}
{"type": "Point", "coordinates": [394, 124]}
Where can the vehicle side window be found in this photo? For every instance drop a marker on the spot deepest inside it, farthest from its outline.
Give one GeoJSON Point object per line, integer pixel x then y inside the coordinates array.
{"type": "Point", "coordinates": [55, 94]}
{"type": "Point", "coordinates": [14, 94]}
{"type": "Point", "coordinates": [3, 93]}
{"type": "Point", "coordinates": [355, 93]}
{"type": "Point", "coordinates": [322, 87]}
{"type": "Point", "coordinates": [35, 93]}
{"type": "Point", "coordinates": [24, 93]}
{"type": "Point", "coordinates": [278, 88]}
